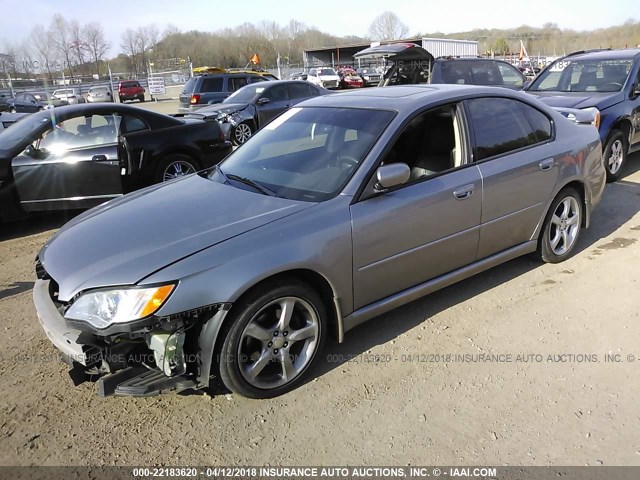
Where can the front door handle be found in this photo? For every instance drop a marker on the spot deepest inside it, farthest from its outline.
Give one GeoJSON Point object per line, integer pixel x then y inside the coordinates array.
{"type": "Point", "coordinates": [463, 192]}
{"type": "Point", "coordinates": [99, 158]}
{"type": "Point", "coordinates": [546, 164]}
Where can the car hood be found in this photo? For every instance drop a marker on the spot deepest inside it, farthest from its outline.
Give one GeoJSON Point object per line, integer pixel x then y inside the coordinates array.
{"type": "Point", "coordinates": [127, 239]}
{"type": "Point", "coordinates": [396, 52]}
{"type": "Point", "coordinates": [223, 108]}
{"type": "Point", "coordinates": [579, 99]}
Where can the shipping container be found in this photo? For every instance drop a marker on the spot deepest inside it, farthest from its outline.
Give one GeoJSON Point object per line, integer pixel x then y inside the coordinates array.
{"type": "Point", "coordinates": [447, 47]}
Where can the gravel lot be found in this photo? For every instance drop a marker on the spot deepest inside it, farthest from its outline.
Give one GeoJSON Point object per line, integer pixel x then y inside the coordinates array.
{"type": "Point", "coordinates": [373, 400]}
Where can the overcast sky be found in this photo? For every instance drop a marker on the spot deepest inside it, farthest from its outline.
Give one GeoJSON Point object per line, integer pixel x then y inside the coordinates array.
{"type": "Point", "coordinates": [337, 17]}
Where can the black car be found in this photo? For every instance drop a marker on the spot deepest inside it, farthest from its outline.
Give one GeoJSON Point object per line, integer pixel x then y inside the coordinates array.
{"type": "Point", "coordinates": [252, 107]}
{"type": "Point", "coordinates": [29, 102]}
{"type": "Point", "coordinates": [212, 88]}
{"type": "Point", "coordinates": [83, 155]}
{"type": "Point", "coordinates": [412, 64]}
{"type": "Point", "coordinates": [606, 80]}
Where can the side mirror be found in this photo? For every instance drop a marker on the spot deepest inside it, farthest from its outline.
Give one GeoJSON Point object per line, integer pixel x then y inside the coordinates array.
{"type": "Point", "coordinates": [389, 176]}
{"type": "Point", "coordinates": [30, 151]}
{"type": "Point", "coordinates": [635, 90]}
{"type": "Point", "coordinates": [263, 101]}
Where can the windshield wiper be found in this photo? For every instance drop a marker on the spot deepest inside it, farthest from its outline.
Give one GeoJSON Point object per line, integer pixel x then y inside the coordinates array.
{"type": "Point", "coordinates": [251, 183]}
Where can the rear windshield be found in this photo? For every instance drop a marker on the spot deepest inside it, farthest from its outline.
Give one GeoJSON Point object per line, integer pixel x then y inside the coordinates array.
{"type": "Point", "coordinates": [129, 84]}
{"type": "Point", "coordinates": [190, 86]}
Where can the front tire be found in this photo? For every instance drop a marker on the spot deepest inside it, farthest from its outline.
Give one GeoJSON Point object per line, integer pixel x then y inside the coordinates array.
{"type": "Point", "coordinates": [241, 133]}
{"type": "Point", "coordinates": [615, 155]}
{"type": "Point", "coordinates": [273, 337]}
{"type": "Point", "coordinates": [175, 166]}
{"type": "Point", "coordinates": [561, 228]}
{"type": "Point", "coordinates": [12, 110]}
{"type": "Point", "coordinates": [141, 98]}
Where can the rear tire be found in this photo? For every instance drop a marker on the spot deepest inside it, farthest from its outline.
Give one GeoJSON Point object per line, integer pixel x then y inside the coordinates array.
{"type": "Point", "coordinates": [561, 228]}
{"type": "Point", "coordinates": [12, 110]}
{"type": "Point", "coordinates": [272, 338]}
{"type": "Point", "coordinates": [615, 155]}
{"type": "Point", "coordinates": [173, 166]}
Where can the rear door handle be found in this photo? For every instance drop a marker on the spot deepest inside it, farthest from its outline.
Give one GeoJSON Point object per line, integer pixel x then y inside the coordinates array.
{"type": "Point", "coordinates": [463, 192]}
{"type": "Point", "coordinates": [546, 164]}
{"type": "Point", "coordinates": [99, 158]}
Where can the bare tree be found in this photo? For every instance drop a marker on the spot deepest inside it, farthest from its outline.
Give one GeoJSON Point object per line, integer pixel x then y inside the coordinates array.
{"type": "Point", "coordinates": [78, 46]}
{"type": "Point", "coordinates": [387, 26]}
{"type": "Point", "coordinates": [59, 34]}
{"type": "Point", "coordinates": [96, 44]}
{"type": "Point", "coordinates": [130, 48]}
{"type": "Point", "coordinates": [44, 49]}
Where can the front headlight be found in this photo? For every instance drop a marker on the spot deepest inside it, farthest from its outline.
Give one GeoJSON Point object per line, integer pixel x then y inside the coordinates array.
{"type": "Point", "coordinates": [106, 307]}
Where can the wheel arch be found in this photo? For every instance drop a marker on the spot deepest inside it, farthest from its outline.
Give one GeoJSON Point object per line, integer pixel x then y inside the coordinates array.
{"type": "Point", "coordinates": [316, 281]}
{"type": "Point", "coordinates": [621, 124]}
{"type": "Point", "coordinates": [177, 150]}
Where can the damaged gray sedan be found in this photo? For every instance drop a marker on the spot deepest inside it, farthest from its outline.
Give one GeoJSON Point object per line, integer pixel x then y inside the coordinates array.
{"type": "Point", "coordinates": [342, 209]}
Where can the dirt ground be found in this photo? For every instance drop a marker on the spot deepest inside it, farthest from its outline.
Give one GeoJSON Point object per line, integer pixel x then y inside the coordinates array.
{"type": "Point", "coordinates": [384, 396]}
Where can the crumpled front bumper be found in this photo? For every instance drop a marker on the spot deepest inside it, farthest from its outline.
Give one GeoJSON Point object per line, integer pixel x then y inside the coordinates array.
{"type": "Point", "coordinates": [65, 339]}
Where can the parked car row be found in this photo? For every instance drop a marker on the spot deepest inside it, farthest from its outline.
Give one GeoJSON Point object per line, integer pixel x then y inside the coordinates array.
{"type": "Point", "coordinates": [28, 102]}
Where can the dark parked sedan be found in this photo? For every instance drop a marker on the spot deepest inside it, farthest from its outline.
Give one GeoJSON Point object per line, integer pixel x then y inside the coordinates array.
{"type": "Point", "coordinates": [345, 207]}
{"type": "Point", "coordinates": [30, 102]}
{"type": "Point", "coordinates": [83, 155]}
{"type": "Point", "coordinates": [252, 107]}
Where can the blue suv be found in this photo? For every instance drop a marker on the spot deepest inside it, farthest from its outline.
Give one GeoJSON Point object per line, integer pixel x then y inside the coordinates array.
{"type": "Point", "coordinates": [608, 80]}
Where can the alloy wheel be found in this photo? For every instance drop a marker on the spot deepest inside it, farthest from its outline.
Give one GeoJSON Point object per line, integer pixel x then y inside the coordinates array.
{"type": "Point", "coordinates": [242, 133]}
{"type": "Point", "coordinates": [278, 342]}
{"type": "Point", "coordinates": [616, 157]}
{"type": "Point", "coordinates": [565, 225]}
{"type": "Point", "coordinates": [177, 169]}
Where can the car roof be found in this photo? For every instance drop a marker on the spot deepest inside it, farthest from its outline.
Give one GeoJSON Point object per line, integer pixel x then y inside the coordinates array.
{"type": "Point", "coordinates": [405, 98]}
{"type": "Point", "coordinates": [622, 54]}
{"type": "Point", "coordinates": [228, 74]}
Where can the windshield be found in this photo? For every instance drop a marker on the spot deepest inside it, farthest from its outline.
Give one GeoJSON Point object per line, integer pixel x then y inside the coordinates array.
{"type": "Point", "coordinates": [25, 130]}
{"type": "Point", "coordinates": [307, 154]}
{"type": "Point", "coordinates": [583, 76]}
{"type": "Point", "coordinates": [245, 94]}
{"type": "Point", "coordinates": [98, 90]}
{"type": "Point", "coordinates": [326, 71]}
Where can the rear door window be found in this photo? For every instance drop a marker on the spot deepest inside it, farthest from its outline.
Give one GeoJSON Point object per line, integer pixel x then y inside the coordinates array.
{"type": "Point", "coordinates": [211, 84]}
{"type": "Point", "coordinates": [501, 125]}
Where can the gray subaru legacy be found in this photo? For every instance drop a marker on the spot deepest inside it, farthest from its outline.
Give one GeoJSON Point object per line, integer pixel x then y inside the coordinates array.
{"type": "Point", "coordinates": [343, 208]}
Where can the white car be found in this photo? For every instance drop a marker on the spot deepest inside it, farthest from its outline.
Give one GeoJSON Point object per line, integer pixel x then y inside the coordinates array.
{"type": "Point", "coordinates": [71, 95]}
{"type": "Point", "coordinates": [324, 77]}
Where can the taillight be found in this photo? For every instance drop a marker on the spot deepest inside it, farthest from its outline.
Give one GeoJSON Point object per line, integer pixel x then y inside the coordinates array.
{"type": "Point", "coordinates": [195, 98]}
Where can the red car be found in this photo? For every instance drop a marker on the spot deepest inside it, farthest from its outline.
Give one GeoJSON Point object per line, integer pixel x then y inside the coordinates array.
{"type": "Point", "coordinates": [349, 78]}
{"type": "Point", "coordinates": [130, 90]}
